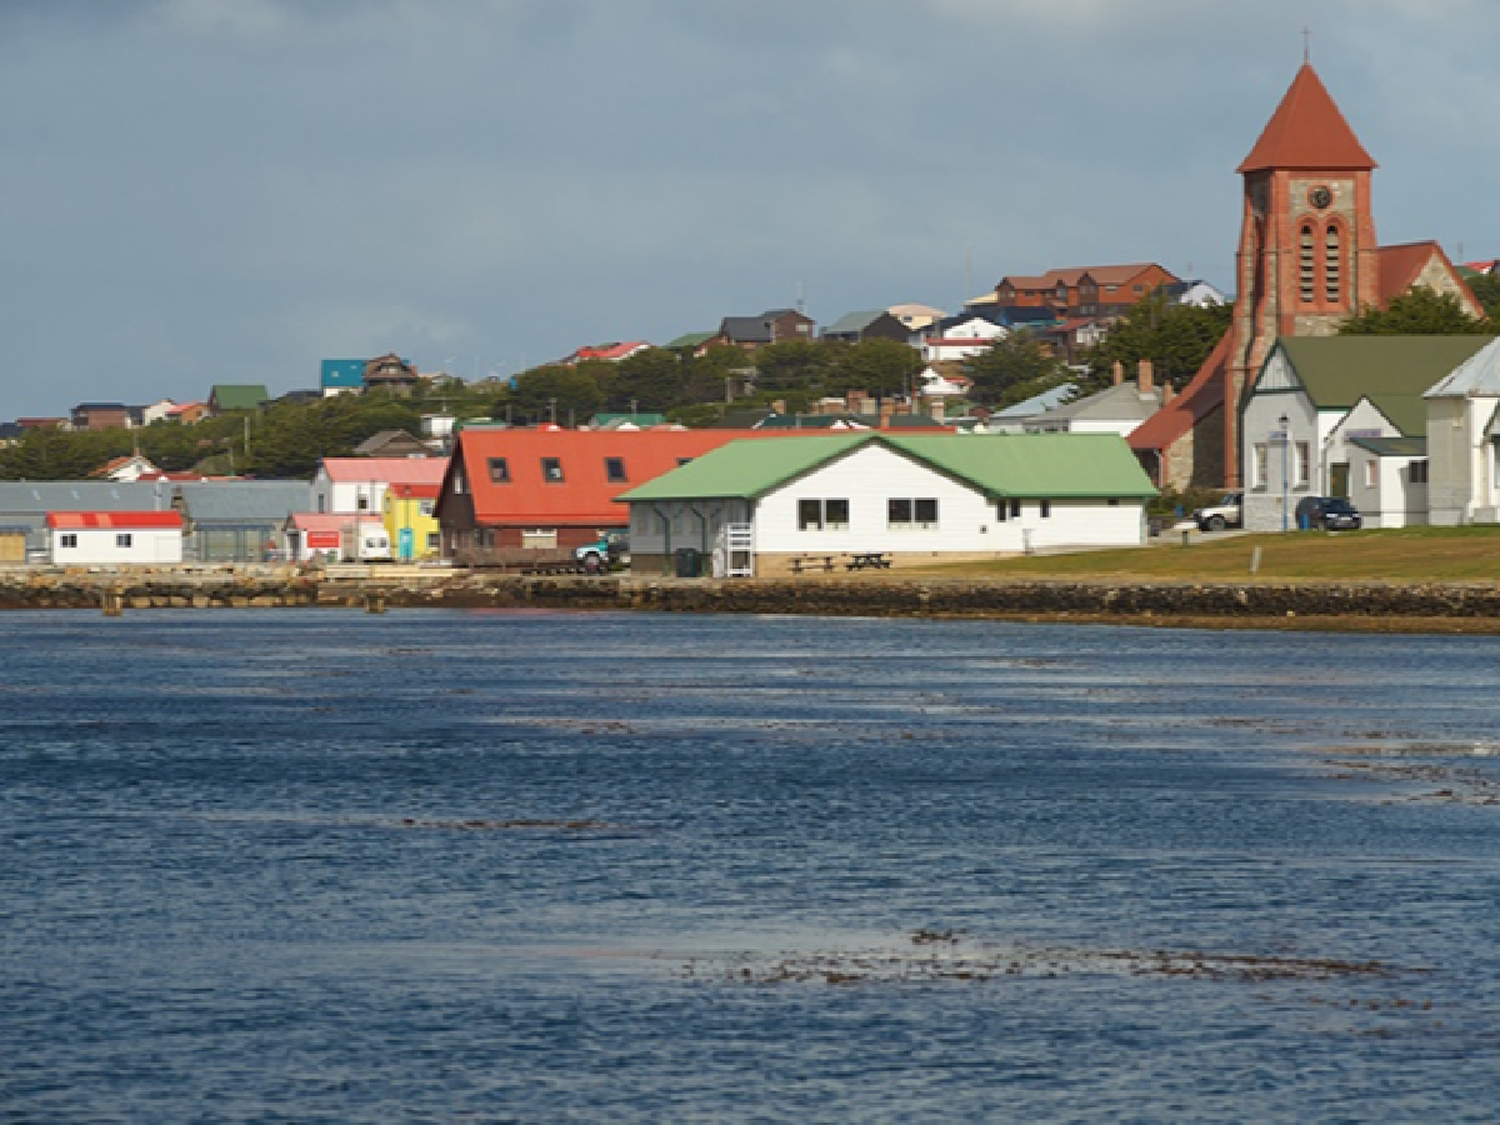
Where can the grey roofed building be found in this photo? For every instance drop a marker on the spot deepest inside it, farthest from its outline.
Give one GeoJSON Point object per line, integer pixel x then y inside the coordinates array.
{"type": "Point", "coordinates": [1119, 408]}
{"type": "Point", "coordinates": [746, 329]}
{"type": "Point", "coordinates": [230, 521]}
{"type": "Point", "coordinates": [877, 324]}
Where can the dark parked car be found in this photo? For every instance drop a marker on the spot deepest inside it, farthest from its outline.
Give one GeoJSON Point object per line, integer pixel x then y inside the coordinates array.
{"type": "Point", "coordinates": [1331, 513]}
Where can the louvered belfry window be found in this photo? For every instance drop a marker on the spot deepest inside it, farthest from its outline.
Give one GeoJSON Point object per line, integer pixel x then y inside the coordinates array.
{"type": "Point", "coordinates": [1332, 262]}
{"type": "Point", "coordinates": [1308, 265]}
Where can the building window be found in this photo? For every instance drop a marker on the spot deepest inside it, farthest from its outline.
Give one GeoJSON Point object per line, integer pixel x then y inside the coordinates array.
{"type": "Point", "coordinates": [1418, 472]}
{"type": "Point", "coordinates": [362, 502]}
{"type": "Point", "coordinates": [1332, 259]}
{"type": "Point", "coordinates": [425, 507]}
{"type": "Point", "coordinates": [1015, 509]}
{"type": "Point", "coordinates": [1045, 507]}
{"type": "Point", "coordinates": [1307, 265]}
{"type": "Point", "coordinates": [821, 515]}
{"type": "Point", "coordinates": [1304, 465]}
{"type": "Point", "coordinates": [123, 539]}
{"type": "Point", "coordinates": [68, 540]}
{"type": "Point", "coordinates": [1002, 509]}
{"type": "Point", "coordinates": [434, 540]}
{"type": "Point", "coordinates": [614, 470]}
{"type": "Point", "coordinates": [552, 470]}
{"type": "Point", "coordinates": [322, 503]}
{"type": "Point", "coordinates": [1372, 472]}
{"type": "Point", "coordinates": [912, 513]}
{"type": "Point", "coordinates": [681, 461]}
{"type": "Point", "coordinates": [1260, 466]}
{"type": "Point", "coordinates": [499, 470]}
{"type": "Point", "coordinates": [539, 539]}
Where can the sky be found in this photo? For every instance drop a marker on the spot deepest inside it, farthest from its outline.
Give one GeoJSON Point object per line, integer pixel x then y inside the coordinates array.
{"type": "Point", "coordinates": [229, 191]}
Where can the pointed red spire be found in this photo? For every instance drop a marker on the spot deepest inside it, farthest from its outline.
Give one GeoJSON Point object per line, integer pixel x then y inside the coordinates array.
{"type": "Point", "coordinates": [1307, 131]}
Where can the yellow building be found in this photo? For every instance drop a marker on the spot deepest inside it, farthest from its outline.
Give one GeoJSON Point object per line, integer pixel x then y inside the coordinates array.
{"type": "Point", "coordinates": [409, 521]}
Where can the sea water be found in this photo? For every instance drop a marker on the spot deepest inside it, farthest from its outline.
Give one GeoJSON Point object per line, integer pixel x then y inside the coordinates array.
{"type": "Point", "coordinates": [321, 866]}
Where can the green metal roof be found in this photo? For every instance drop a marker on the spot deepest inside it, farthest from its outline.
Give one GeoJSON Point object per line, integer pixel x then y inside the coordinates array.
{"type": "Point", "coordinates": [690, 340]}
{"type": "Point", "coordinates": [1393, 446]}
{"type": "Point", "coordinates": [239, 396]}
{"type": "Point", "coordinates": [1408, 413]}
{"type": "Point", "coordinates": [1019, 465]}
{"type": "Point", "coordinates": [1337, 371]}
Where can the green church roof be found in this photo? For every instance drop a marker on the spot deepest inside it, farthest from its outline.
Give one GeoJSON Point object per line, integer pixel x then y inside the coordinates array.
{"type": "Point", "coordinates": [1337, 371]}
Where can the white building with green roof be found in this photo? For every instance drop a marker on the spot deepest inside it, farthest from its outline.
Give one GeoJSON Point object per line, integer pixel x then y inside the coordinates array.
{"type": "Point", "coordinates": [1295, 438]}
{"type": "Point", "coordinates": [914, 497]}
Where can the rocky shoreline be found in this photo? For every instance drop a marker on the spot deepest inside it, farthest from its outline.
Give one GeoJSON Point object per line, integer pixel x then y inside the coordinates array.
{"type": "Point", "coordinates": [1372, 606]}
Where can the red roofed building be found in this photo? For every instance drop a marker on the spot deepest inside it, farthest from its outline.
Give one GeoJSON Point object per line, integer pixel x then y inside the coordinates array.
{"type": "Point", "coordinates": [1083, 291]}
{"type": "Point", "coordinates": [553, 488]}
{"type": "Point", "coordinates": [358, 484]}
{"type": "Point", "coordinates": [610, 353]}
{"type": "Point", "coordinates": [1307, 260]}
{"type": "Point", "coordinates": [114, 538]}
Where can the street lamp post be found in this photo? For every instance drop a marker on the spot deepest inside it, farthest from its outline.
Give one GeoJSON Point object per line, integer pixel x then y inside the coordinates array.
{"type": "Point", "coordinates": [1286, 442]}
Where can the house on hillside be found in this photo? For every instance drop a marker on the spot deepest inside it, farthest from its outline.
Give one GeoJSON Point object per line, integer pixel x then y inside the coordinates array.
{"type": "Point", "coordinates": [341, 376]}
{"type": "Point", "coordinates": [392, 443]}
{"type": "Point", "coordinates": [774, 326]}
{"type": "Point", "coordinates": [606, 353]}
{"type": "Point", "coordinates": [969, 337]}
{"type": "Point", "coordinates": [224, 398]}
{"type": "Point", "coordinates": [916, 497]}
{"type": "Point", "coordinates": [513, 489]}
{"type": "Point", "coordinates": [105, 416]}
{"type": "Point", "coordinates": [114, 538]}
{"type": "Point", "coordinates": [1087, 291]}
{"type": "Point", "coordinates": [1296, 439]}
{"type": "Point", "coordinates": [390, 373]}
{"type": "Point", "coordinates": [1118, 409]}
{"type": "Point", "coordinates": [131, 466]}
{"type": "Point", "coordinates": [857, 327]}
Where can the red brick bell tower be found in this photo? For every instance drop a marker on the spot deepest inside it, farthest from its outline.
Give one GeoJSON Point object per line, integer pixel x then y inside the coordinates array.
{"type": "Point", "coordinates": [1307, 256]}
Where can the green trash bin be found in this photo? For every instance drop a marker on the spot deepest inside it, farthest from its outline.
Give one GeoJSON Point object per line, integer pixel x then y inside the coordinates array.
{"type": "Point", "coordinates": [689, 562]}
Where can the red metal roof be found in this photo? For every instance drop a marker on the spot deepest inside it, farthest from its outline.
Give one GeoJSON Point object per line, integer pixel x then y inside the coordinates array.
{"type": "Point", "coordinates": [387, 470]}
{"type": "Point", "coordinates": [1198, 399]}
{"type": "Point", "coordinates": [123, 520]}
{"type": "Point", "coordinates": [417, 491]}
{"type": "Point", "coordinates": [331, 521]}
{"type": "Point", "coordinates": [1307, 131]}
{"type": "Point", "coordinates": [585, 497]}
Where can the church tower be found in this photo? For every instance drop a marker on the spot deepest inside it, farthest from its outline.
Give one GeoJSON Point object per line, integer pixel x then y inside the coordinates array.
{"type": "Point", "coordinates": [1307, 255]}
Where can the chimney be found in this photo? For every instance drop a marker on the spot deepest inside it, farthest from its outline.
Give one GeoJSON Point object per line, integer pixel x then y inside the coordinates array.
{"type": "Point", "coordinates": [1167, 393]}
{"type": "Point", "coordinates": [1144, 378]}
{"type": "Point", "coordinates": [887, 408]}
{"type": "Point", "coordinates": [1118, 372]}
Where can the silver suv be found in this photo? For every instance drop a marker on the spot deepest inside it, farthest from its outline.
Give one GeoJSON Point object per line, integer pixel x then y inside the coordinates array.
{"type": "Point", "coordinates": [1226, 513]}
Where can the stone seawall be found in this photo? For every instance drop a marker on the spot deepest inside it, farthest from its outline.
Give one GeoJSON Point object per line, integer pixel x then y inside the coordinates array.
{"type": "Point", "coordinates": [1476, 604]}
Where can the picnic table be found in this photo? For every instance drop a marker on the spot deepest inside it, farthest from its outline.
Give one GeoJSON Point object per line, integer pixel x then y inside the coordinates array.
{"type": "Point", "coordinates": [803, 563]}
{"type": "Point", "coordinates": [869, 560]}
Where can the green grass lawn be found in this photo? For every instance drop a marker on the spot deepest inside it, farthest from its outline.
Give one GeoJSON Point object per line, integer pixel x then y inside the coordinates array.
{"type": "Point", "coordinates": [1413, 554]}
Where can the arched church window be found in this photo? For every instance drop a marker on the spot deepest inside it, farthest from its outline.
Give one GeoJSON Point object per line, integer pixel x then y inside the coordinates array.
{"type": "Point", "coordinates": [1308, 265]}
{"type": "Point", "coordinates": [1333, 258]}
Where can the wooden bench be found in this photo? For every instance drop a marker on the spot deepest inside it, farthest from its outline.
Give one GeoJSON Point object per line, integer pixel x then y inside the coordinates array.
{"type": "Point", "coordinates": [869, 560]}
{"type": "Point", "coordinates": [803, 563]}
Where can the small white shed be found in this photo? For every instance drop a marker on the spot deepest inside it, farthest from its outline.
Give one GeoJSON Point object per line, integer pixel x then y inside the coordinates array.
{"type": "Point", "coordinates": [114, 538]}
